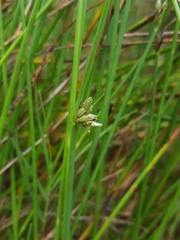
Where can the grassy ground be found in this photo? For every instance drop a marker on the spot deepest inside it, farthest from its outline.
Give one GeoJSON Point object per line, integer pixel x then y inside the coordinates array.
{"type": "Point", "coordinates": [60, 177]}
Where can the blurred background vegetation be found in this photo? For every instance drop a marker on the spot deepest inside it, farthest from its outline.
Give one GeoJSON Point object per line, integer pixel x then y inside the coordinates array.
{"type": "Point", "coordinates": [60, 180]}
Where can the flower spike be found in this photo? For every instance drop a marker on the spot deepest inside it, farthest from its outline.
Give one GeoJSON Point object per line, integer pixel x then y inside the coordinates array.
{"type": "Point", "coordinates": [84, 117]}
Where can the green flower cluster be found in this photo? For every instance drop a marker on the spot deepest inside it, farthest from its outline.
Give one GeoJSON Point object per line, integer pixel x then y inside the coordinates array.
{"type": "Point", "coordinates": [84, 116]}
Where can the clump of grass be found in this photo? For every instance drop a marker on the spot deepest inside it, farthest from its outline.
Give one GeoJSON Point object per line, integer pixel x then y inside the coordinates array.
{"type": "Point", "coordinates": [118, 181]}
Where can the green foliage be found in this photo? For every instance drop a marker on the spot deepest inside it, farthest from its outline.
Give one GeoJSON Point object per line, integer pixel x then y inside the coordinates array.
{"type": "Point", "coordinates": [121, 179]}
